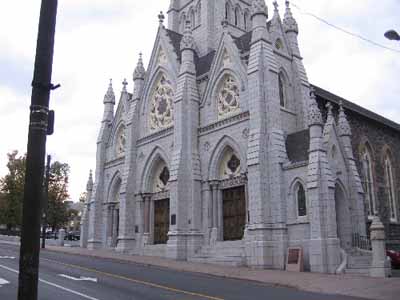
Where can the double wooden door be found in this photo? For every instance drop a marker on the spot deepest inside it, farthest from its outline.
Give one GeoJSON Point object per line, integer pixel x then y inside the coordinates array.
{"type": "Point", "coordinates": [161, 221]}
{"type": "Point", "coordinates": [234, 213]}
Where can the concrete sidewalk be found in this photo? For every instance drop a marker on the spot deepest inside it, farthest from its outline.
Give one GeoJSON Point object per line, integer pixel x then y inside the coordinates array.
{"type": "Point", "coordinates": [349, 285]}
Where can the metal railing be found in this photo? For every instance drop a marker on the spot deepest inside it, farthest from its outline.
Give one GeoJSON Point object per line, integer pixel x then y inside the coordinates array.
{"type": "Point", "coordinates": [361, 242]}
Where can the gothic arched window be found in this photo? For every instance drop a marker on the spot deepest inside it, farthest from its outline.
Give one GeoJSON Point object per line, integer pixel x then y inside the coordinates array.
{"type": "Point", "coordinates": [182, 23]}
{"type": "Point", "coordinates": [282, 91]}
{"type": "Point", "coordinates": [192, 17]}
{"type": "Point", "coordinates": [246, 20]}
{"type": "Point", "coordinates": [389, 183]}
{"type": "Point", "coordinates": [198, 13]}
{"type": "Point", "coordinates": [227, 11]}
{"type": "Point", "coordinates": [228, 96]}
{"type": "Point", "coordinates": [301, 201]}
{"type": "Point", "coordinates": [368, 182]}
{"type": "Point", "coordinates": [161, 105]}
{"type": "Point", "coordinates": [237, 16]}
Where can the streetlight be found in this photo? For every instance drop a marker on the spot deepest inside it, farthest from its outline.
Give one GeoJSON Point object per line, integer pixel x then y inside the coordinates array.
{"type": "Point", "coordinates": [392, 35]}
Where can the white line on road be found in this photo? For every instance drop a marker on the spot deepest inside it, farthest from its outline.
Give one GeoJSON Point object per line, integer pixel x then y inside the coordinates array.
{"type": "Point", "coordinates": [54, 285]}
{"type": "Point", "coordinates": [3, 282]}
{"type": "Point", "coordinates": [78, 279]}
{"type": "Point", "coordinates": [7, 257]}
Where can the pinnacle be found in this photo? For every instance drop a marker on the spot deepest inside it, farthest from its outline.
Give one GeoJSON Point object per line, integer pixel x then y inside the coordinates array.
{"type": "Point", "coordinates": [109, 96]}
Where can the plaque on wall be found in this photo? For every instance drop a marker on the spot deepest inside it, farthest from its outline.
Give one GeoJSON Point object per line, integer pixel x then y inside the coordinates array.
{"type": "Point", "coordinates": [294, 259]}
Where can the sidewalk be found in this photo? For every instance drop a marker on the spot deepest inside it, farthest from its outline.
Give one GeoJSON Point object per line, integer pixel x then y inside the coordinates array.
{"type": "Point", "coordinates": [349, 285]}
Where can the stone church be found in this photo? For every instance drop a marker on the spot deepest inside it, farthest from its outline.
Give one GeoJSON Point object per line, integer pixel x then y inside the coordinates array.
{"type": "Point", "coordinates": [225, 153]}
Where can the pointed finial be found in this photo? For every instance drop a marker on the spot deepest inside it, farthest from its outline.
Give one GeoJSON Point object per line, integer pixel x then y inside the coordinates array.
{"type": "Point", "coordinates": [343, 123]}
{"type": "Point", "coordinates": [140, 71]}
{"type": "Point", "coordinates": [187, 39]}
{"type": "Point", "coordinates": [161, 18]}
{"type": "Point", "coordinates": [124, 84]}
{"type": "Point", "coordinates": [109, 96]}
{"type": "Point", "coordinates": [289, 22]}
{"type": "Point", "coordinates": [314, 114]}
{"type": "Point", "coordinates": [329, 108]}
{"type": "Point", "coordinates": [89, 185]}
{"type": "Point", "coordinates": [276, 6]}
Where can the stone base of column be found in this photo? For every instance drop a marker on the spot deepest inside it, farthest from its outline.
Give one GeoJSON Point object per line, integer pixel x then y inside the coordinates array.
{"type": "Point", "coordinates": [324, 255]}
{"type": "Point", "coordinates": [126, 244]}
{"type": "Point", "coordinates": [195, 240]}
{"type": "Point", "coordinates": [177, 245]}
{"type": "Point", "coordinates": [259, 249]}
{"type": "Point", "coordinates": [214, 236]}
{"type": "Point", "coordinates": [93, 245]}
{"type": "Point", "coordinates": [380, 269]}
{"type": "Point", "coordinates": [146, 239]}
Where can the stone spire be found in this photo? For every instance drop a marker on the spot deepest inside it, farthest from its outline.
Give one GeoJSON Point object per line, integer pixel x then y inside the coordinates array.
{"type": "Point", "coordinates": [259, 18]}
{"type": "Point", "coordinates": [109, 97]}
{"type": "Point", "coordinates": [314, 114]}
{"type": "Point", "coordinates": [89, 185]}
{"type": "Point", "coordinates": [276, 11]}
{"type": "Point", "coordinates": [124, 84]}
{"type": "Point", "coordinates": [138, 78]}
{"type": "Point", "coordinates": [109, 102]}
{"type": "Point", "coordinates": [140, 71]}
{"type": "Point", "coordinates": [343, 123]}
{"type": "Point", "coordinates": [289, 22]}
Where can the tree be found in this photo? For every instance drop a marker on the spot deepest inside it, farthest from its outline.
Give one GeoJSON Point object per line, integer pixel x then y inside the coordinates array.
{"type": "Point", "coordinates": [12, 188]}
{"type": "Point", "coordinates": [57, 213]}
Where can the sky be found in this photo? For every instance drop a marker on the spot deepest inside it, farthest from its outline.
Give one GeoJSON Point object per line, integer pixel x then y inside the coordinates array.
{"type": "Point", "coordinates": [99, 40]}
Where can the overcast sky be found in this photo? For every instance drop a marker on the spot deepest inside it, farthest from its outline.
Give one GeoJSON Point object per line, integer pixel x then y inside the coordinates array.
{"type": "Point", "coordinates": [98, 40]}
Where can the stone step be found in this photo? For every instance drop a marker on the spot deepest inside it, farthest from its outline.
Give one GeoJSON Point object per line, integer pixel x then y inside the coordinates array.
{"type": "Point", "coordinates": [359, 271]}
{"type": "Point", "coordinates": [358, 261]}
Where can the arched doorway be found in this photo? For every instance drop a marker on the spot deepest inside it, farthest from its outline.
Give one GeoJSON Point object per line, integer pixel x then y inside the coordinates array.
{"type": "Point", "coordinates": [233, 197]}
{"type": "Point", "coordinates": [343, 222]}
{"type": "Point", "coordinates": [112, 219]}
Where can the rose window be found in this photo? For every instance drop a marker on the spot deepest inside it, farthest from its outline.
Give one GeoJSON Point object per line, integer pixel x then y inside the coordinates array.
{"type": "Point", "coordinates": [228, 96]}
{"type": "Point", "coordinates": [161, 111]}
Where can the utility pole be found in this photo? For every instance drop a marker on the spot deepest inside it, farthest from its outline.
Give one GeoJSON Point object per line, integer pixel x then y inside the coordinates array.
{"type": "Point", "coordinates": [45, 202]}
{"type": "Point", "coordinates": [38, 129]}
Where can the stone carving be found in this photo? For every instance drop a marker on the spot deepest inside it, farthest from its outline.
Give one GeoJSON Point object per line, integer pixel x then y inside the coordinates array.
{"type": "Point", "coordinates": [226, 59]}
{"type": "Point", "coordinates": [289, 22]}
{"type": "Point", "coordinates": [230, 165]}
{"type": "Point", "coordinates": [121, 141]}
{"type": "Point", "coordinates": [343, 123]}
{"type": "Point", "coordinates": [314, 114]}
{"type": "Point", "coordinates": [259, 7]}
{"type": "Point", "coordinates": [245, 133]}
{"type": "Point", "coordinates": [161, 110]}
{"type": "Point", "coordinates": [228, 96]}
{"type": "Point", "coordinates": [162, 57]}
{"type": "Point", "coordinates": [161, 180]}
{"type": "Point", "coordinates": [187, 39]}
{"type": "Point", "coordinates": [207, 146]}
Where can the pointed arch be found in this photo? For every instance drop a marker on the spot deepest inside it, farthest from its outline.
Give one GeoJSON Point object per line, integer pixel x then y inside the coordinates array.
{"type": "Point", "coordinates": [198, 13]}
{"type": "Point", "coordinates": [228, 11]}
{"type": "Point", "coordinates": [283, 86]}
{"type": "Point", "coordinates": [192, 17]}
{"type": "Point", "coordinates": [156, 158]}
{"type": "Point", "coordinates": [246, 20]}
{"type": "Point", "coordinates": [226, 143]}
{"type": "Point", "coordinates": [182, 22]}
{"type": "Point", "coordinates": [238, 14]}
{"type": "Point", "coordinates": [367, 176]}
{"type": "Point", "coordinates": [114, 188]}
{"type": "Point", "coordinates": [299, 200]}
{"type": "Point", "coordinates": [389, 179]}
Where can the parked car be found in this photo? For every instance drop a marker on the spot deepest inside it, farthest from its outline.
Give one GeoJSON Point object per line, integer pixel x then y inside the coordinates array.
{"type": "Point", "coordinates": [394, 257]}
{"type": "Point", "coordinates": [73, 236]}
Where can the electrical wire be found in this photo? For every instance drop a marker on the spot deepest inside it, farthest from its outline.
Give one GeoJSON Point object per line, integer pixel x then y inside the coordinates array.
{"type": "Point", "coordinates": [343, 30]}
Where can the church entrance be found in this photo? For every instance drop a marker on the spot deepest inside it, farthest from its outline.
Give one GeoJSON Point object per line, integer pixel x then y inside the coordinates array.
{"type": "Point", "coordinates": [343, 223]}
{"type": "Point", "coordinates": [115, 226]}
{"type": "Point", "coordinates": [234, 213]}
{"type": "Point", "coordinates": [161, 221]}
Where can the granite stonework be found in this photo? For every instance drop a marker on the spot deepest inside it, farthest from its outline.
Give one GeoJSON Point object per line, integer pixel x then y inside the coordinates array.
{"type": "Point", "coordinates": [225, 153]}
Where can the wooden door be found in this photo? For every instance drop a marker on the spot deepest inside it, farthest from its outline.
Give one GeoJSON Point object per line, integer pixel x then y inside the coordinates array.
{"type": "Point", "coordinates": [234, 213]}
{"type": "Point", "coordinates": [161, 221]}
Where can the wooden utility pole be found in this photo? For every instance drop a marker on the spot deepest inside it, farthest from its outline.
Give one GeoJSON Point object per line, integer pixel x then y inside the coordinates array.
{"type": "Point", "coordinates": [38, 129]}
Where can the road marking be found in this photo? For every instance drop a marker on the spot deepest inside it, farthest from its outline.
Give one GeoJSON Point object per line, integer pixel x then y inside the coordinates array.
{"type": "Point", "coordinates": [54, 285]}
{"type": "Point", "coordinates": [163, 287]}
{"type": "Point", "coordinates": [3, 282]}
{"type": "Point", "coordinates": [7, 257]}
{"type": "Point", "coordinates": [78, 279]}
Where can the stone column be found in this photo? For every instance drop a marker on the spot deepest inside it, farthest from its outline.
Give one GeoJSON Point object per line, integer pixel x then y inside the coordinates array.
{"type": "Point", "coordinates": [379, 267]}
{"type": "Point", "coordinates": [114, 240]}
{"type": "Point", "coordinates": [146, 218]}
{"type": "Point", "coordinates": [214, 201]}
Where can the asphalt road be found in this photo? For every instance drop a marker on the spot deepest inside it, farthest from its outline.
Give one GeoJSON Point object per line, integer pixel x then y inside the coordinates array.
{"type": "Point", "coordinates": [64, 277]}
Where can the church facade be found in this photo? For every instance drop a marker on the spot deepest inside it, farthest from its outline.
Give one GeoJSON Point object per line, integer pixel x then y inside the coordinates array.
{"type": "Point", "coordinates": [225, 153]}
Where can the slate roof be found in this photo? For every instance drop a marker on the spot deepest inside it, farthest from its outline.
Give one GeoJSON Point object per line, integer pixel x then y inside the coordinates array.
{"type": "Point", "coordinates": [327, 96]}
{"type": "Point", "coordinates": [297, 145]}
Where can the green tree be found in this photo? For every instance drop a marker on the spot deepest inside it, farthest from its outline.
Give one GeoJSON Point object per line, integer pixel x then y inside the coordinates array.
{"type": "Point", "coordinates": [12, 189]}
{"type": "Point", "coordinates": [57, 213]}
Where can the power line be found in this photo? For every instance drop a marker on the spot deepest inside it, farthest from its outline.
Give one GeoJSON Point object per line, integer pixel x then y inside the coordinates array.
{"type": "Point", "coordinates": [343, 30]}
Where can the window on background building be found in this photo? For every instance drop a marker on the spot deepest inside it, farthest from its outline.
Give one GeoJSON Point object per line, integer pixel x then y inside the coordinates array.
{"type": "Point", "coordinates": [282, 97]}
{"type": "Point", "coordinates": [301, 200]}
{"type": "Point", "coordinates": [390, 191]}
{"type": "Point", "coordinates": [368, 183]}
